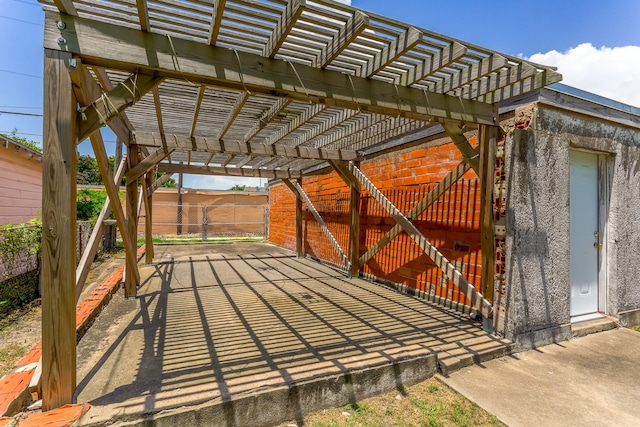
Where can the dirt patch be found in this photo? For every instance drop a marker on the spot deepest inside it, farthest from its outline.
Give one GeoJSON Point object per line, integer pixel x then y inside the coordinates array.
{"type": "Point", "coordinates": [21, 329]}
{"type": "Point", "coordinates": [430, 403]}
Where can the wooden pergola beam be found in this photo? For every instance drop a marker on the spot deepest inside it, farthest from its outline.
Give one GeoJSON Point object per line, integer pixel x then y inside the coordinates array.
{"type": "Point", "coordinates": [158, 183]}
{"type": "Point", "coordinates": [391, 52]}
{"type": "Point", "coordinates": [434, 63]}
{"type": "Point", "coordinates": [287, 20]}
{"type": "Point", "coordinates": [470, 154]}
{"type": "Point", "coordinates": [433, 195]}
{"type": "Point", "coordinates": [300, 120]}
{"type": "Point", "coordinates": [219, 170]}
{"type": "Point", "coordinates": [354, 213]}
{"type": "Point", "coordinates": [196, 109]}
{"type": "Point", "coordinates": [266, 117]}
{"type": "Point", "coordinates": [143, 14]}
{"type": "Point", "coordinates": [216, 20]}
{"type": "Point", "coordinates": [233, 113]}
{"type": "Point", "coordinates": [66, 6]}
{"type": "Point", "coordinates": [459, 78]}
{"type": "Point", "coordinates": [108, 45]}
{"type": "Point", "coordinates": [148, 163]}
{"type": "Point", "coordinates": [147, 197]}
{"type": "Point", "coordinates": [215, 145]}
{"type": "Point", "coordinates": [354, 26]}
{"type": "Point", "coordinates": [82, 271]}
{"type": "Point", "coordinates": [110, 104]}
{"type": "Point", "coordinates": [58, 253]}
{"type": "Point", "coordinates": [105, 82]}
{"type": "Point", "coordinates": [476, 298]}
{"type": "Point", "coordinates": [296, 188]}
{"type": "Point", "coordinates": [130, 229]}
{"type": "Point", "coordinates": [487, 136]}
{"type": "Point", "coordinates": [112, 190]}
{"type": "Point", "coordinates": [87, 91]}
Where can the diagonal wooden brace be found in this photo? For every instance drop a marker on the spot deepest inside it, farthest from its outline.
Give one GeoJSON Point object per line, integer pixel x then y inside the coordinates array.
{"type": "Point", "coordinates": [82, 271]}
{"type": "Point", "coordinates": [470, 154]}
{"type": "Point", "coordinates": [299, 192]}
{"type": "Point", "coordinates": [417, 210]}
{"type": "Point", "coordinates": [476, 298]}
{"type": "Point", "coordinates": [111, 103]}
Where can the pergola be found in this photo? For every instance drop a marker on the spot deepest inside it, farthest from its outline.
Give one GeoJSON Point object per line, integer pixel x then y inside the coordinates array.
{"type": "Point", "coordinates": [256, 88]}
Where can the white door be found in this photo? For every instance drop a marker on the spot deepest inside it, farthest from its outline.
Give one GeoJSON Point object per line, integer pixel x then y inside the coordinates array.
{"type": "Point", "coordinates": [583, 206]}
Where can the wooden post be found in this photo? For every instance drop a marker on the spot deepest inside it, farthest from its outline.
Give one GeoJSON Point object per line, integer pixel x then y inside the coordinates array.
{"type": "Point", "coordinates": [131, 279]}
{"type": "Point", "coordinates": [58, 268]}
{"type": "Point", "coordinates": [299, 223]}
{"type": "Point", "coordinates": [179, 217]}
{"type": "Point", "coordinates": [487, 138]}
{"type": "Point", "coordinates": [354, 226]}
{"type": "Point", "coordinates": [148, 217]}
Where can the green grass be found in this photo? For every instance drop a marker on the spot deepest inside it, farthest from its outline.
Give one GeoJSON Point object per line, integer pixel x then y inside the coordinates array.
{"type": "Point", "coordinates": [8, 357]}
{"type": "Point", "coordinates": [636, 328]}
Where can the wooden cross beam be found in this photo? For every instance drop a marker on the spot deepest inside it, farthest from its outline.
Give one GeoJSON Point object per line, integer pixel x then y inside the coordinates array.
{"type": "Point", "coordinates": [107, 45]}
{"type": "Point", "coordinates": [130, 245]}
{"type": "Point", "coordinates": [433, 195]}
{"type": "Point", "coordinates": [221, 170]}
{"type": "Point", "coordinates": [468, 152]}
{"type": "Point", "coordinates": [296, 188]}
{"type": "Point", "coordinates": [158, 183]}
{"type": "Point", "coordinates": [215, 145]}
{"type": "Point", "coordinates": [148, 163]}
{"type": "Point", "coordinates": [110, 104]}
{"type": "Point", "coordinates": [354, 213]}
{"type": "Point", "coordinates": [82, 271]}
{"type": "Point", "coordinates": [87, 91]}
{"type": "Point", "coordinates": [476, 298]}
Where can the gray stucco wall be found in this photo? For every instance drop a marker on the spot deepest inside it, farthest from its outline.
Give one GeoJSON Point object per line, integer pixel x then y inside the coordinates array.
{"type": "Point", "coordinates": [537, 297]}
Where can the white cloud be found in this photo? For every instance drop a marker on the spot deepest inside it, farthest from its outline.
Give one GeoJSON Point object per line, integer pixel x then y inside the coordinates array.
{"type": "Point", "coordinates": [610, 72]}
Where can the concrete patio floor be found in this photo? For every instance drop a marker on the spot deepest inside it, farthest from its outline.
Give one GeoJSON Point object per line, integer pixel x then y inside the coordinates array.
{"type": "Point", "coordinates": [234, 323]}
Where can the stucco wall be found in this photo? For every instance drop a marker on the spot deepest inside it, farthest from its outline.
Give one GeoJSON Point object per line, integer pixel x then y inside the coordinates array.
{"type": "Point", "coordinates": [21, 188]}
{"type": "Point", "coordinates": [227, 212]}
{"type": "Point", "coordinates": [538, 143]}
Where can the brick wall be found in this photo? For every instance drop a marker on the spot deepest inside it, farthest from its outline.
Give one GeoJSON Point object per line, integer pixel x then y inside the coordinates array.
{"type": "Point", "coordinates": [451, 223]}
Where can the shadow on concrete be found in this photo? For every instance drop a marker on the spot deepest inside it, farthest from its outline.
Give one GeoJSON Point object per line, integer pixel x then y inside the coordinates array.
{"type": "Point", "coordinates": [214, 327]}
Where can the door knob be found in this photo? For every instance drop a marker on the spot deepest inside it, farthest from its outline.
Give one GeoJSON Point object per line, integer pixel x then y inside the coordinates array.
{"type": "Point", "coordinates": [597, 245]}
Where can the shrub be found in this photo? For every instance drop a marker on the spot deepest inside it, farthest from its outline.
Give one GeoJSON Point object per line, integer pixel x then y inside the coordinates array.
{"type": "Point", "coordinates": [89, 203]}
{"type": "Point", "coordinates": [19, 264]}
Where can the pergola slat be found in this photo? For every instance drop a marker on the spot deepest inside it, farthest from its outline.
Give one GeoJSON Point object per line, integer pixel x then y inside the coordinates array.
{"type": "Point", "coordinates": [228, 171]}
{"type": "Point", "coordinates": [104, 44]}
{"type": "Point", "coordinates": [214, 145]}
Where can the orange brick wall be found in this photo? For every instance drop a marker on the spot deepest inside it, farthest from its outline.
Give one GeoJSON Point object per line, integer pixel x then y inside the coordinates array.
{"type": "Point", "coordinates": [451, 223]}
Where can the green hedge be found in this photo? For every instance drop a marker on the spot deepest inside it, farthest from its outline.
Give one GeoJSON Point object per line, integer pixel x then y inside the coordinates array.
{"type": "Point", "coordinates": [19, 264]}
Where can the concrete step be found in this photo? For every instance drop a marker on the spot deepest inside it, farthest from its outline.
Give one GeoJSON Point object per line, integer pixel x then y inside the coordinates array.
{"type": "Point", "coordinates": [580, 329]}
{"type": "Point", "coordinates": [453, 357]}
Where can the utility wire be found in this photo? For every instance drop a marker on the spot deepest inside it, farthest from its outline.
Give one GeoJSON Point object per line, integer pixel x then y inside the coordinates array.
{"type": "Point", "coordinates": [21, 20]}
{"type": "Point", "coordinates": [21, 74]}
{"type": "Point", "coordinates": [17, 113]}
{"type": "Point", "coordinates": [26, 2]}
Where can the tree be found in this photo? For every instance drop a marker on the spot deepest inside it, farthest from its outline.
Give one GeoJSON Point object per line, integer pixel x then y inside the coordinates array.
{"type": "Point", "coordinates": [238, 187]}
{"type": "Point", "coordinates": [35, 146]}
{"type": "Point", "coordinates": [88, 172]}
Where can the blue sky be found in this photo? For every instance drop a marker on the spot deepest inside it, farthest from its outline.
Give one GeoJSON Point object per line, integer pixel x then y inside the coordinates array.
{"type": "Point", "coordinates": [595, 44]}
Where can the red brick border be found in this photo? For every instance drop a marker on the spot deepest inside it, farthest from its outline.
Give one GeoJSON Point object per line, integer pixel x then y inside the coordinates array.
{"type": "Point", "coordinates": [14, 387]}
